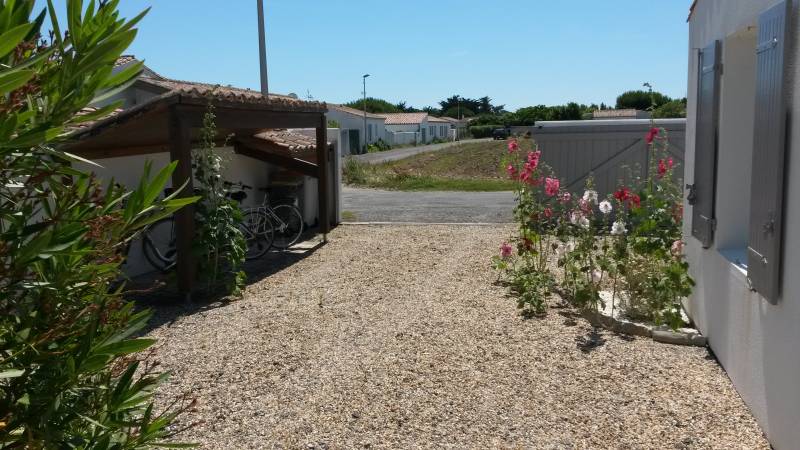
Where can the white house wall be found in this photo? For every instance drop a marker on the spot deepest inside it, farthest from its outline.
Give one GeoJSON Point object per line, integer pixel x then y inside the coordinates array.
{"type": "Point", "coordinates": [756, 342]}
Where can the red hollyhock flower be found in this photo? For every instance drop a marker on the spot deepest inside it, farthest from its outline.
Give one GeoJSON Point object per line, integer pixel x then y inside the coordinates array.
{"type": "Point", "coordinates": [662, 168]}
{"type": "Point", "coordinates": [635, 200]}
{"type": "Point", "coordinates": [512, 171]}
{"type": "Point", "coordinates": [651, 135]}
{"type": "Point", "coordinates": [548, 213]}
{"type": "Point", "coordinates": [622, 194]}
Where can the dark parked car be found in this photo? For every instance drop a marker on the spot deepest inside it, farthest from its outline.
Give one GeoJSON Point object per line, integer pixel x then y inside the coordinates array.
{"type": "Point", "coordinates": [500, 134]}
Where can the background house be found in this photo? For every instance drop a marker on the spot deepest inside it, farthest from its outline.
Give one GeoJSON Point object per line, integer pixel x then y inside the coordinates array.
{"type": "Point", "coordinates": [159, 122]}
{"type": "Point", "coordinates": [439, 128]}
{"type": "Point", "coordinates": [742, 223]}
{"type": "Point", "coordinates": [351, 122]}
{"type": "Point", "coordinates": [407, 128]}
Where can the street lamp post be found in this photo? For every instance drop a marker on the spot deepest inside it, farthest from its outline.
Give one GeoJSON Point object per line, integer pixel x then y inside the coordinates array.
{"type": "Point", "coordinates": [262, 49]}
{"type": "Point", "coordinates": [364, 79]}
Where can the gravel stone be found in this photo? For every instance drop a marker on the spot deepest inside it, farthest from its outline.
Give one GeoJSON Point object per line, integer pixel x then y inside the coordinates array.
{"type": "Point", "coordinates": [400, 337]}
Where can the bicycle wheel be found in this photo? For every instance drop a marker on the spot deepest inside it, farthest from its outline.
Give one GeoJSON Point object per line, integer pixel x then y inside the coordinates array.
{"type": "Point", "coordinates": [288, 223]}
{"type": "Point", "coordinates": [258, 233]}
{"type": "Point", "coordinates": [158, 244]}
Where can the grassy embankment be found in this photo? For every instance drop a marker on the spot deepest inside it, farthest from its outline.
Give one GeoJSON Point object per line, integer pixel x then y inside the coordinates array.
{"type": "Point", "coordinates": [466, 167]}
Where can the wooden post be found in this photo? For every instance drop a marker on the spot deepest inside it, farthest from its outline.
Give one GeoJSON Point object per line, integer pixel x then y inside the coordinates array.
{"type": "Point", "coordinates": [181, 151]}
{"type": "Point", "coordinates": [322, 176]}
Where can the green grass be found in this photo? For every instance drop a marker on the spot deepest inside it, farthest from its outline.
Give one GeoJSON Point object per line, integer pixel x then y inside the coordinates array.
{"type": "Point", "coordinates": [473, 167]}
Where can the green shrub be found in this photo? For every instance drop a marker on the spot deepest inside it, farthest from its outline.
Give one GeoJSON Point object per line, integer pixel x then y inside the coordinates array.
{"type": "Point", "coordinates": [483, 131]}
{"type": "Point", "coordinates": [68, 374]}
{"type": "Point", "coordinates": [671, 110]}
{"type": "Point", "coordinates": [354, 171]}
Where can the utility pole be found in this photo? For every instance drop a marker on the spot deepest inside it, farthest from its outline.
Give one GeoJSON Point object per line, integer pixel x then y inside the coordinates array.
{"type": "Point", "coordinates": [262, 48]}
{"type": "Point", "coordinates": [364, 79]}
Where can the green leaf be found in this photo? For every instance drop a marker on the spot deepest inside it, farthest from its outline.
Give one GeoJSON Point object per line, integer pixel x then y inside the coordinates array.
{"type": "Point", "coordinates": [9, 81]}
{"type": "Point", "coordinates": [125, 347]}
{"type": "Point", "coordinates": [13, 37]}
{"type": "Point", "coordinates": [13, 373]}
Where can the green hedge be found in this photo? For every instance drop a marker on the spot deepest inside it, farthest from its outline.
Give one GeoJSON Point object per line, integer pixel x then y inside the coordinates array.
{"type": "Point", "coordinates": [483, 131]}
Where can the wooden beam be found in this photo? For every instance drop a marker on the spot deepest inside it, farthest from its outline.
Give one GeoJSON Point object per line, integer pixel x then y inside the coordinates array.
{"type": "Point", "coordinates": [240, 118]}
{"type": "Point", "coordinates": [251, 148]}
{"type": "Point", "coordinates": [116, 152]}
{"type": "Point", "coordinates": [322, 178]}
{"type": "Point", "coordinates": [181, 151]}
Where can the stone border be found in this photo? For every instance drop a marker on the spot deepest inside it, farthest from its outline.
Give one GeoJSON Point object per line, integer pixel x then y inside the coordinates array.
{"type": "Point", "coordinates": [662, 333]}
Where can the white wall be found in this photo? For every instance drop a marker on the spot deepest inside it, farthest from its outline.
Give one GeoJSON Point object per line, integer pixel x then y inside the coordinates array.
{"type": "Point", "coordinates": [756, 342]}
{"type": "Point", "coordinates": [348, 121]}
{"type": "Point", "coordinates": [127, 171]}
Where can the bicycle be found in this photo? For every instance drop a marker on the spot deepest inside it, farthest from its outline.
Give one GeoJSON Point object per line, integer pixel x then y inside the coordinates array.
{"type": "Point", "coordinates": [285, 218]}
{"type": "Point", "coordinates": [159, 239]}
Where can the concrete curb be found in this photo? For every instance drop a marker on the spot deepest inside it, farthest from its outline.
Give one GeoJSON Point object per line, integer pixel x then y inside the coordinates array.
{"type": "Point", "coordinates": [663, 334]}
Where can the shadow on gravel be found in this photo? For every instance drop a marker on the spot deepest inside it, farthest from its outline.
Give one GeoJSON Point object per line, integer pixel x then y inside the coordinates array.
{"type": "Point", "coordinates": [591, 341]}
{"type": "Point", "coordinates": [158, 291]}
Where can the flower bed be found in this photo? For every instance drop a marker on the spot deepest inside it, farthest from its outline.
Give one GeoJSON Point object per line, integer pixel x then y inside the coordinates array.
{"type": "Point", "coordinates": [579, 245]}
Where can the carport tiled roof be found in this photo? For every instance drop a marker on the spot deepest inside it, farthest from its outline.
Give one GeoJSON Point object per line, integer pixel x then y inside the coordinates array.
{"type": "Point", "coordinates": [404, 118]}
{"type": "Point", "coordinates": [290, 140]}
{"type": "Point", "coordinates": [230, 93]}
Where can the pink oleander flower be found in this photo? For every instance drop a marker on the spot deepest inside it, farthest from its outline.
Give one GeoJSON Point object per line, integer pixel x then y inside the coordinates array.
{"type": "Point", "coordinates": [506, 250]}
{"type": "Point", "coordinates": [551, 186]}
{"type": "Point", "coordinates": [513, 146]}
{"type": "Point", "coordinates": [651, 135]}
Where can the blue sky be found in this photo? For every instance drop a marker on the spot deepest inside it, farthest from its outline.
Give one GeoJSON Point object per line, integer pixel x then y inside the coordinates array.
{"type": "Point", "coordinates": [518, 52]}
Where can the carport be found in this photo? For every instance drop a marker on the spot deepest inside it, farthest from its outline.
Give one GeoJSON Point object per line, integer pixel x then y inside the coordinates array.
{"type": "Point", "coordinates": [171, 123]}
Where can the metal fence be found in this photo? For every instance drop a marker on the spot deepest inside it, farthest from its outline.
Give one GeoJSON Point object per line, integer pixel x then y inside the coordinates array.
{"type": "Point", "coordinates": [613, 152]}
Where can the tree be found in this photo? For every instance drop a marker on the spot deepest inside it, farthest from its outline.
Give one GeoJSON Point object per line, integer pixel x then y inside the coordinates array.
{"type": "Point", "coordinates": [374, 105]}
{"type": "Point", "coordinates": [641, 100]}
{"type": "Point", "coordinates": [432, 111]}
{"type": "Point", "coordinates": [69, 377]}
{"type": "Point", "coordinates": [673, 109]}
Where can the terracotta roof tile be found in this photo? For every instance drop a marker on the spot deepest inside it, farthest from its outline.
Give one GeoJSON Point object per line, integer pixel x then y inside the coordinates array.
{"type": "Point", "coordinates": [404, 118]}
{"type": "Point", "coordinates": [234, 94]}
{"type": "Point", "coordinates": [290, 140]}
{"type": "Point", "coordinates": [124, 59]}
{"type": "Point", "coordinates": [354, 111]}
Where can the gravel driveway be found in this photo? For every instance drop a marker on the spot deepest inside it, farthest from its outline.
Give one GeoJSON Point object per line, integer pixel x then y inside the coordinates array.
{"type": "Point", "coordinates": [397, 337]}
{"type": "Point", "coordinates": [374, 205]}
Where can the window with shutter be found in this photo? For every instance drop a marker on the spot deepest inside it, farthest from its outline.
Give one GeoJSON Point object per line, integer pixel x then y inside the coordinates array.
{"type": "Point", "coordinates": [702, 192]}
{"type": "Point", "coordinates": [769, 148]}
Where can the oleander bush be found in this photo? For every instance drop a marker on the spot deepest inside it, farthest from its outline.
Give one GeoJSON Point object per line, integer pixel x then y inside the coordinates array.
{"type": "Point", "coordinates": [70, 376]}
{"type": "Point", "coordinates": [580, 246]}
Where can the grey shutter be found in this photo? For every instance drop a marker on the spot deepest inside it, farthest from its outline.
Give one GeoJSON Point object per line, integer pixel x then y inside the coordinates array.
{"type": "Point", "coordinates": [769, 149]}
{"type": "Point", "coordinates": [702, 193]}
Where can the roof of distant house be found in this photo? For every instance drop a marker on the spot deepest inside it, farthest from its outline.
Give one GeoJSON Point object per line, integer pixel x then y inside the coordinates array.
{"type": "Point", "coordinates": [438, 119]}
{"type": "Point", "coordinates": [353, 111]}
{"type": "Point", "coordinates": [404, 118]}
{"type": "Point", "coordinates": [619, 114]}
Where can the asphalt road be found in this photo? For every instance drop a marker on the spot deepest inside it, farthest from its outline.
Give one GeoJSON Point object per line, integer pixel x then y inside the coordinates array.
{"type": "Point", "coordinates": [401, 153]}
{"type": "Point", "coordinates": [372, 205]}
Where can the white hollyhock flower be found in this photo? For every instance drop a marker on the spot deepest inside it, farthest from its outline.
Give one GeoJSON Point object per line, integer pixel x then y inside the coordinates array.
{"type": "Point", "coordinates": [618, 228]}
{"type": "Point", "coordinates": [584, 222]}
{"type": "Point", "coordinates": [590, 196]}
{"type": "Point", "coordinates": [560, 250]}
{"type": "Point", "coordinates": [597, 275]}
{"type": "Point", "coordinates": [570, 247]}
{"type": "Point", "coordinates": [605, 207]}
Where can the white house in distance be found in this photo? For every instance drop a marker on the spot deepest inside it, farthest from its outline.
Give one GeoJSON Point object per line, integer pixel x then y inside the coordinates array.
{"type": "Point", "coordinates": [351, 122]}
{"type": "Point", "coordinates": [439, 128]}
{"type": "Point", "coordinates": [742, 221]}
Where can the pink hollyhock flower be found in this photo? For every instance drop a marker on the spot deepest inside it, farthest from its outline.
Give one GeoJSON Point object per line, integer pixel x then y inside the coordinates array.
{"type": "Point", "coordinates": [566, 197]}
{"type": "Point", "coordinates": [513, 146]}
{"type": "Point", "coordinates": [585, 206]}
{"type": "Point", "coordinates": [651, 135]}
{"type": "Point", "coordinates": [512, 171]}
{"type": "Point", "coordinates": [677, 248]}
{"type": "Point", "coordinates": [533, 159]}
{"type": "Point", "coordinates": [597, 276]}
{"type": "Point", "coordinates": [548, 213]}
{"type": "Point", "coordinates": [506, 250]}
{"type": "Point", "coordinates": [670, 163]}
{"type": "Point", "coordinates": [551, 186]}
